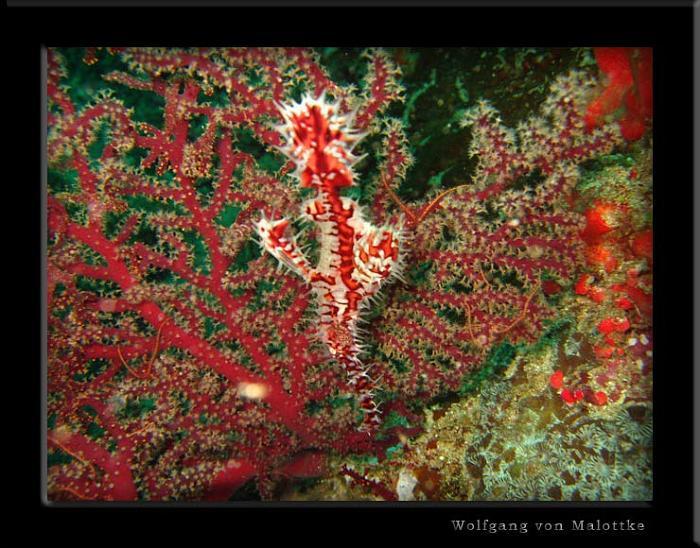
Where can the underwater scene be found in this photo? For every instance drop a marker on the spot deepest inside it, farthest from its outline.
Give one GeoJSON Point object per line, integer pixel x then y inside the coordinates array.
{"type": "Point", "coordinates": [332, 274]}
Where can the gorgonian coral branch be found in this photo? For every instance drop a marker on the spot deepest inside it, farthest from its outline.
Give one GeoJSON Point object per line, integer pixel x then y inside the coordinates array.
{"type": "Point", "coordinates": [481, 256]}
{"type": "Point", "coordinates": [149, 310]}
{"type": "Point", "coordinates": [181, 363]}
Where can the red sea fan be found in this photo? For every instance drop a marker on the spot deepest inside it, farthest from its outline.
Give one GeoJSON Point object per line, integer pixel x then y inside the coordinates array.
{"type": "Point", "coordinates": [181, 363]}
{"type": "Point", "coordinates": [177, 370]}
{"type": "Point", "coordinates": [486, 262]}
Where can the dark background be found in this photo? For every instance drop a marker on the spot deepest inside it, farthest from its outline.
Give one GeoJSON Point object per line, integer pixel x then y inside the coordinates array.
{"type": "Point", "coordinates": [668, 519]}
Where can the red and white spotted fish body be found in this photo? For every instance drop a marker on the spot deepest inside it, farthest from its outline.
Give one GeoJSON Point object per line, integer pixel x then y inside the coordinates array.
{"type": "Point", "coordinates": [356, 258]}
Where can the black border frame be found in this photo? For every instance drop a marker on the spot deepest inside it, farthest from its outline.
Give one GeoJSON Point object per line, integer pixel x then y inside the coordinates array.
{"type": "Point", "coordinates": [668, 30]}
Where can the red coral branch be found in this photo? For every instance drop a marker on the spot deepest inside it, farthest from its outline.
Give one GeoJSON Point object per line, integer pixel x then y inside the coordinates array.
{"type": "Point", "coordinates": [181, 365]}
